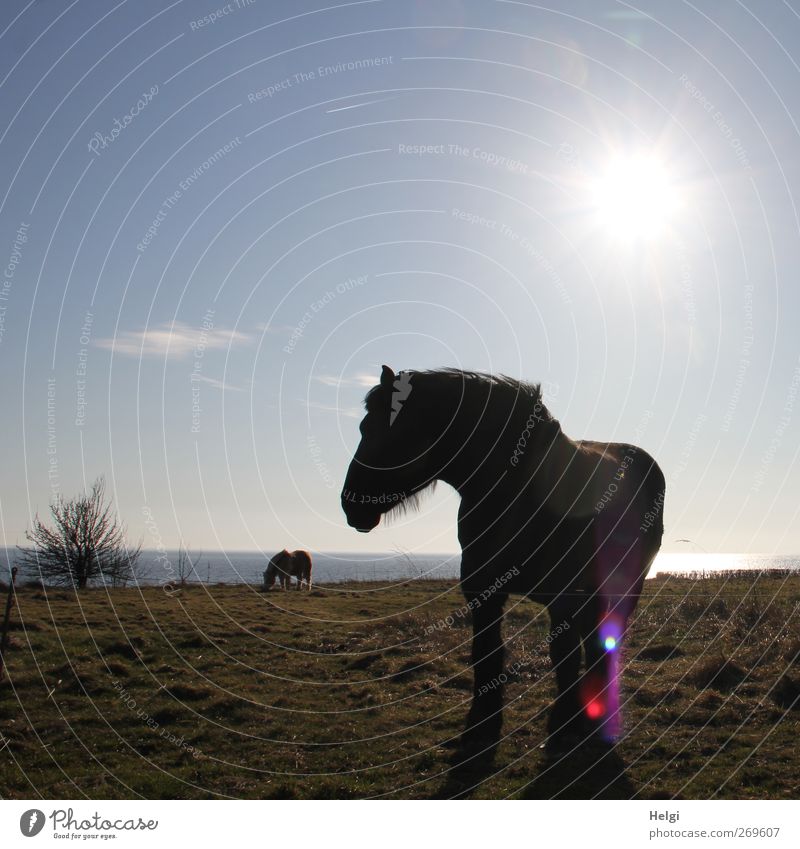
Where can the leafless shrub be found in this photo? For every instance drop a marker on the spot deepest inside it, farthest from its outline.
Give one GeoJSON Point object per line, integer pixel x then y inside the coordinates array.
{"type": "Point", "coordinates": [86, 542]}
{"type": "Point", "coordinates": [186, 565]}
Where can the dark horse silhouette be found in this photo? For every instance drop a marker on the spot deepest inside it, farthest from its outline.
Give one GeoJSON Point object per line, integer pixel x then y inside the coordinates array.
{"type": "Point", "coordinates": [288, 564]}
{"type": "Point", "coordinates": [571, 524]}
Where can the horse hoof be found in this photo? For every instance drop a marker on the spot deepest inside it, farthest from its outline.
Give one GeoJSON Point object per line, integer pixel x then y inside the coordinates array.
{"type": "Point", "coordinates": [558, 745]}
{"type": "Point", "coordinates": [481, 732]}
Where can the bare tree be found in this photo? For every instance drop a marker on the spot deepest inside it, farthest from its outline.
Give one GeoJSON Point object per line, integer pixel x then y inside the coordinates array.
{"type": "Point", "coordinates": [186, 566]}
{"type": "Point", "coordinates": [86, 542]}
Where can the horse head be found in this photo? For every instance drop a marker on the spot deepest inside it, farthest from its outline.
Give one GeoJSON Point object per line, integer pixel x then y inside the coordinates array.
{"type": "Point", "coordinates": [275, 567]}
{"type": "Point", "coordinates": [392, 463]}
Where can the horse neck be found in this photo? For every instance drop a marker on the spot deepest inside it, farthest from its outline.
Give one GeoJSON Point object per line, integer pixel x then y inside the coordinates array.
{"type": "Point", "coordinates": [475, 459]}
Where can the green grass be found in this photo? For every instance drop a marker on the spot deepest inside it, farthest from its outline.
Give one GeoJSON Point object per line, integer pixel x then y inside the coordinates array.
{"type": "Point", "coordinates": [347, 692]}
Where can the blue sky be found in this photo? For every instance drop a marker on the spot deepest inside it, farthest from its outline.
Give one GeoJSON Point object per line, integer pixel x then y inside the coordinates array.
{"type": "Point", "coordinates": [220, 219]}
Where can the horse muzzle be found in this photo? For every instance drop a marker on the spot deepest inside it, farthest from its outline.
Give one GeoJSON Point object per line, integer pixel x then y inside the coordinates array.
{"type": "Point", "coordinates": [364, 523]}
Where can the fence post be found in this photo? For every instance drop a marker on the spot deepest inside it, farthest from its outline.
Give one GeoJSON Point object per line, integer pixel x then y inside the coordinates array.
{"type": "Point", "coordinates": [6, 618]}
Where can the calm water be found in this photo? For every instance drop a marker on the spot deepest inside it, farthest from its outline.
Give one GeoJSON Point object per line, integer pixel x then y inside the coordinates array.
{"type": "Point", "coordinates": [248, 567]}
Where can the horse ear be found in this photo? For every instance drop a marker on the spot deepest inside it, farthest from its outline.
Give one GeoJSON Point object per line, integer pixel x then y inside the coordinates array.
{"type": "Point", "coordinates": [387, 377]}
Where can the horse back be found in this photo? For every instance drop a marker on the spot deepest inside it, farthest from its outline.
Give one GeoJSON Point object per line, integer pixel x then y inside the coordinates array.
{"type": "Point", "coordinates": [301, 561]}
{"type": "Point", "coordinates": [627, 481]}
{"type": "Point", "coordinates": [587, 511]}
{"type": "Point", "coordinates": [615, 525]}
{"type": "Point", "coordinates": [579, 479]}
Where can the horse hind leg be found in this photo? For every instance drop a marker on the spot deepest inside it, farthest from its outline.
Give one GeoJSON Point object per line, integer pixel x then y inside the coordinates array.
{"type": "Point", "coordinates": [601, 632]}
{"type": "Point", "coordinates": [603, 625]}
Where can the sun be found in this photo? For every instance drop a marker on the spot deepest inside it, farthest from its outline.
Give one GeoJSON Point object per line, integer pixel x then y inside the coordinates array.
{"type": "Point", "coordinates": [634, 197]}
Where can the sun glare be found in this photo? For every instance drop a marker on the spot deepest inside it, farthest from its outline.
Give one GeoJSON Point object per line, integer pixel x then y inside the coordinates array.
{"type": "Point", "coordinates": [635, 197]}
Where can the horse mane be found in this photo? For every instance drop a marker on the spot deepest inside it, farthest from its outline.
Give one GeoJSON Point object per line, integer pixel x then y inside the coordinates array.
{"type": "Point", "coordinates": [410, 504]}
{"type": "Point", "coordinates": [528, 394]}
{"type": "Point", "coordinates": [469, 391]}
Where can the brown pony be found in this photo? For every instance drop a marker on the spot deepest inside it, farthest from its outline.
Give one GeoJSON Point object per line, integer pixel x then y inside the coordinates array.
{"type": "Point", "coordinates": [286, 565]}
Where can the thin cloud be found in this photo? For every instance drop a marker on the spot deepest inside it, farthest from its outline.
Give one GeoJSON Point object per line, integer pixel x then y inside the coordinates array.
{"type": "Point", "coordinates": [217, 384]}
{"type": "Point", "coordinates": [175, 340]}
{"type": "Point", "coordinates": [350, 412]}
{"type": "Point", "coordinates": [362, 380]}
{"type": "Point", "coordinates": [357, 105]}
{"type": "Point", "coordinates": [263, 327]}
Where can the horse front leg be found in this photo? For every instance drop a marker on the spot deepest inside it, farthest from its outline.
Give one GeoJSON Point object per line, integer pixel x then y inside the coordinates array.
{"type": "Point", "coordinates": [485, 715]}
{"type": "Point", "coordinates": [566, 715]}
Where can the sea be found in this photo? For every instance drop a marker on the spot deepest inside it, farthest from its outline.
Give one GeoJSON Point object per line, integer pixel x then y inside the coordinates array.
{"type": "Point", "coordinates": [247, 567]}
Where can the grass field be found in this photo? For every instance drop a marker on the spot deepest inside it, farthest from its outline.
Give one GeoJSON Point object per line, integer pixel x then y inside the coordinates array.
{"type": "Point", "coordinates": [358, 690]}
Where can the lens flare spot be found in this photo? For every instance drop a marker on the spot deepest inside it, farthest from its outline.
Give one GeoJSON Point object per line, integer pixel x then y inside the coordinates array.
{"type": "Point", "coordinates": [592, 697]}
{"type": "Point", "coordinates": [594, 709]}
{"type": "Point", "coordinates": [610, 632]}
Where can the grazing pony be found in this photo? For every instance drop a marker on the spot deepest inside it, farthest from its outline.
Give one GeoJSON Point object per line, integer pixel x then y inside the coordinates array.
{"type": "Point", "coordinates": [571, 524]}
{"type": "Point", "coordinates": [286, 565]}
